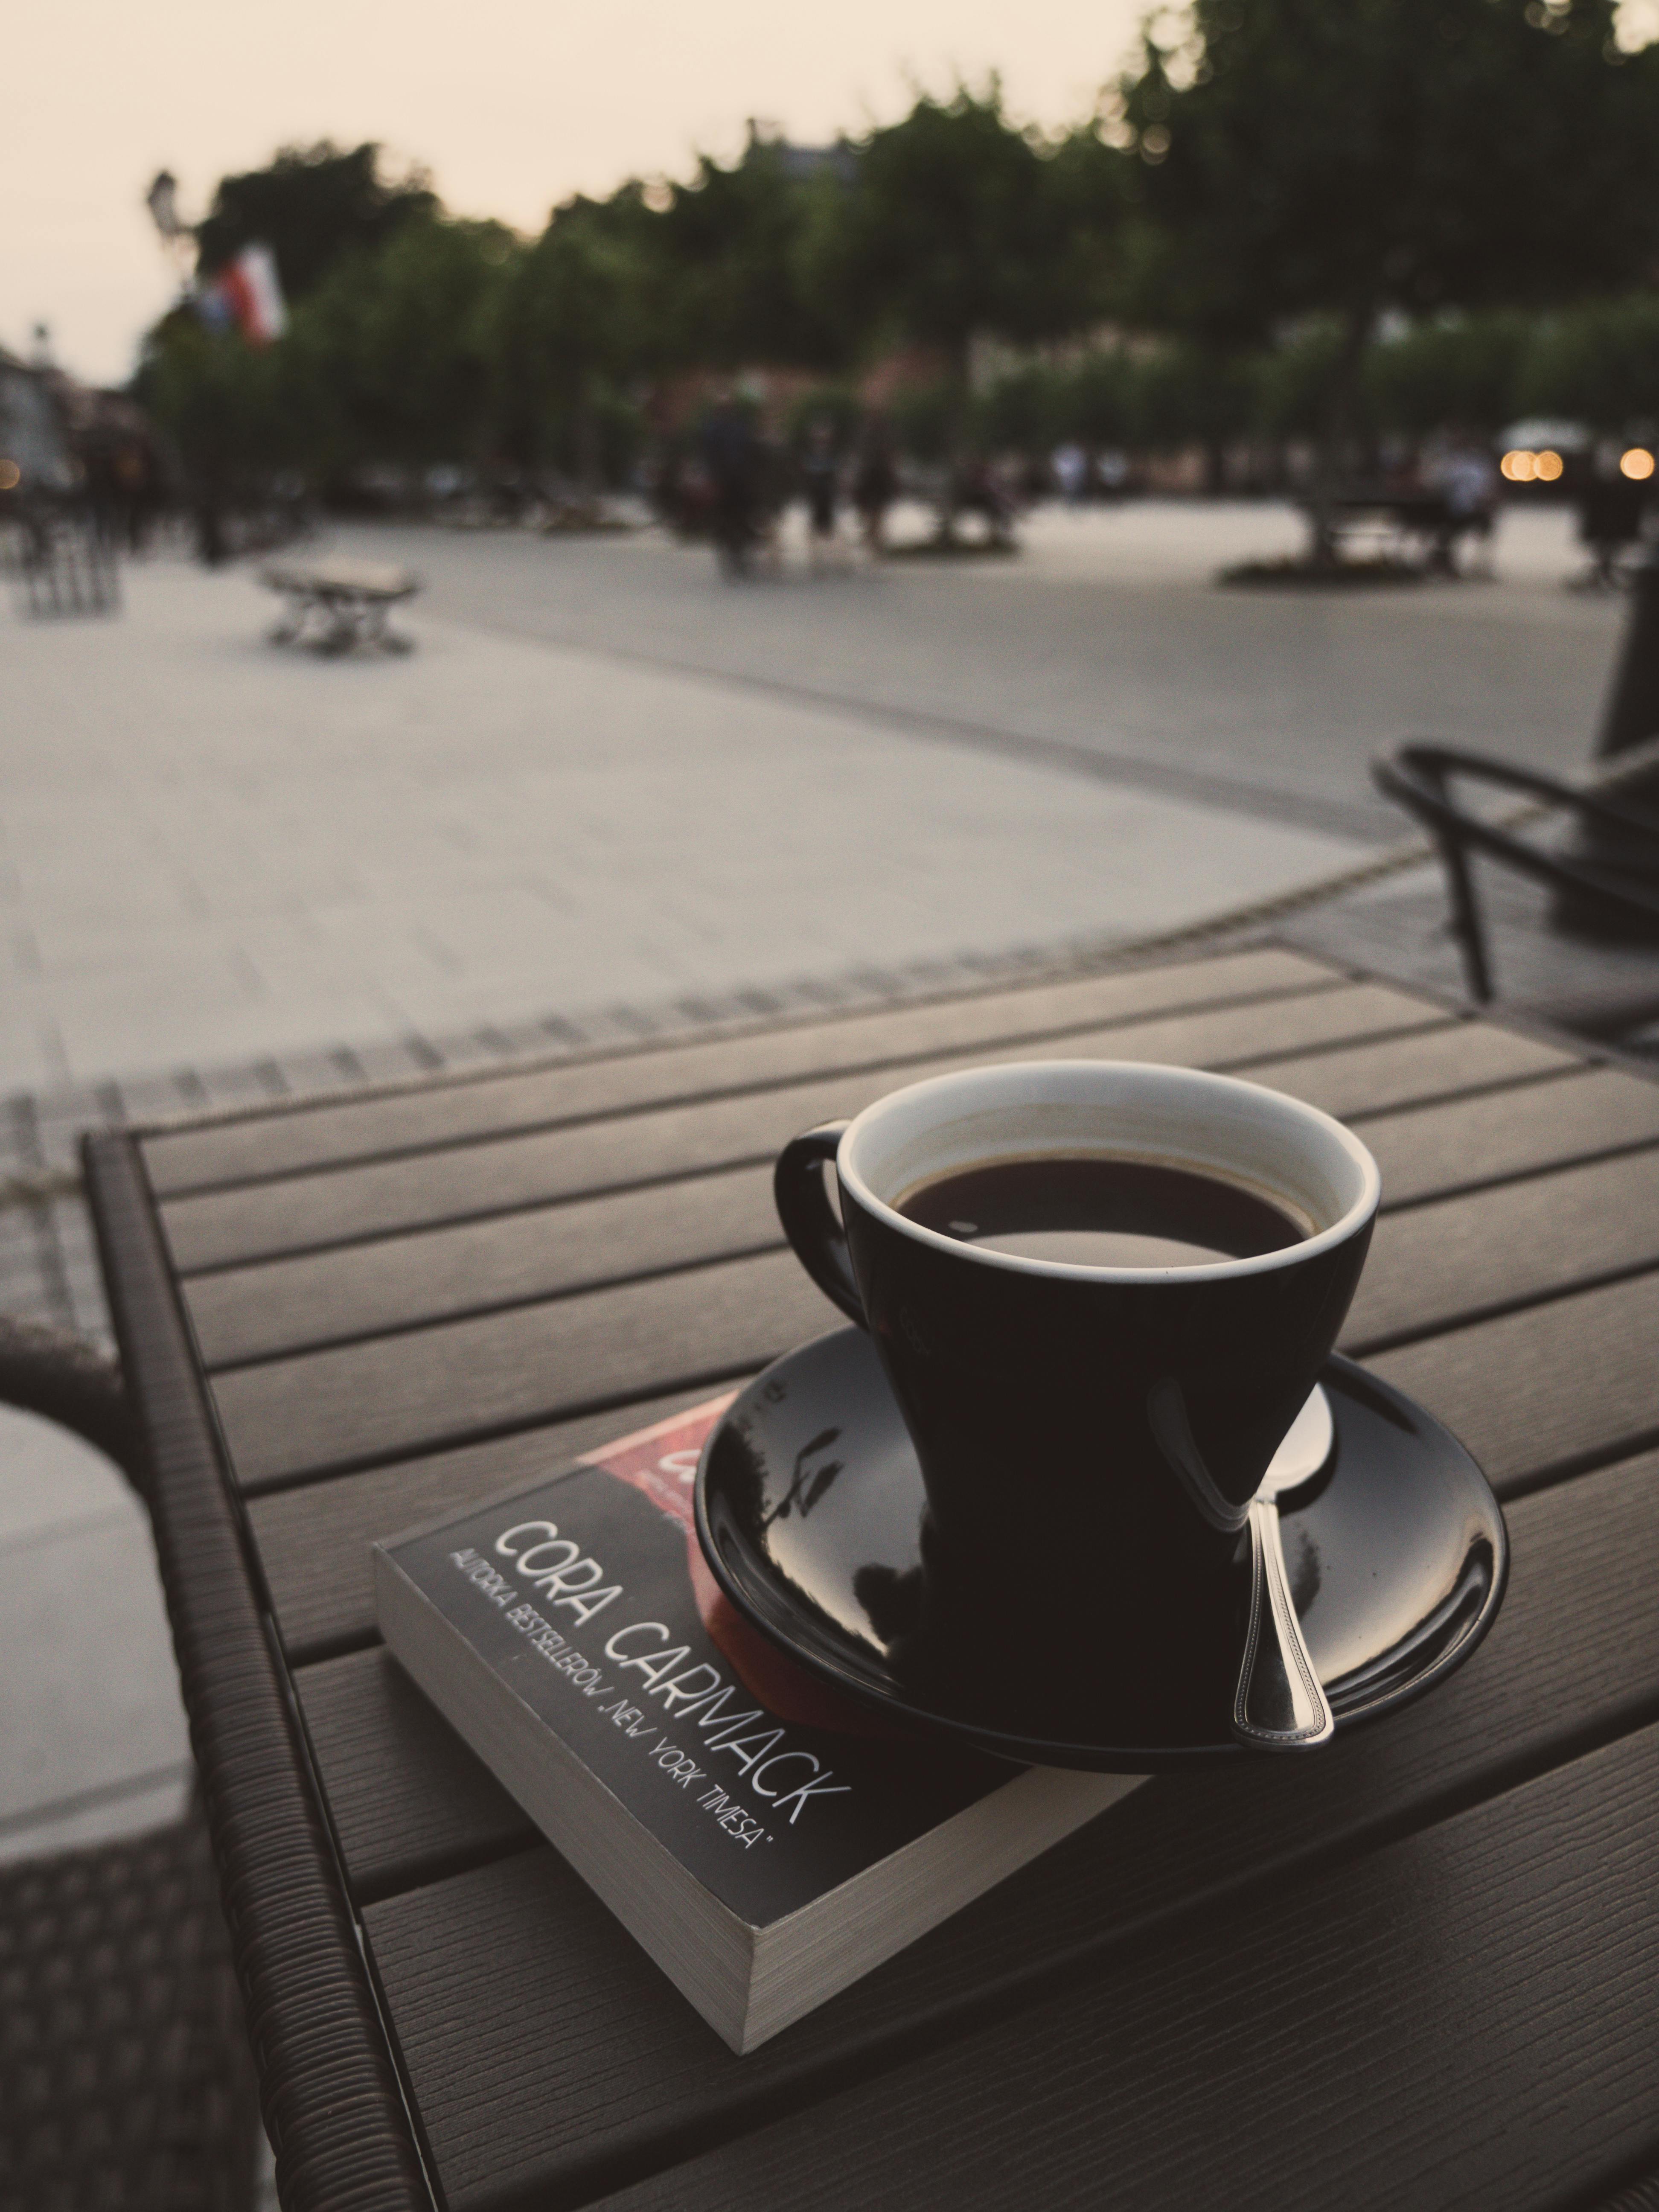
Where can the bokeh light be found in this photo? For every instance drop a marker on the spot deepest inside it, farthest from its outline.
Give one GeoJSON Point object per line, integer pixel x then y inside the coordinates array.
{"type": "Point", "coordinates": [1546, 465]}
{"type": "Point", "coordinates": [1519, 465]}
{"type": "Point", "coordinates": [11, 476]}
{"type": "Point", "coordinates": [1637, 464]}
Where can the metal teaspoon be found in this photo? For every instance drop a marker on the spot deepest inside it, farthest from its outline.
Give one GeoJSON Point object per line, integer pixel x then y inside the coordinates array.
{"type": "Point", "coordinates": [1279, 1705]}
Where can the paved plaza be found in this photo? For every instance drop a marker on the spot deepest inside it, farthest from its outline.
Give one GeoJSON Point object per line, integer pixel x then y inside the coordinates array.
{"type": "Point", "coordinates": [1105, 647]}
{"type": "Point", "coordinates": [608, 794]}
{"type": "Point", "coordinates": [605, 778]}
{"type": "Point", "coordinates": [222, 851]}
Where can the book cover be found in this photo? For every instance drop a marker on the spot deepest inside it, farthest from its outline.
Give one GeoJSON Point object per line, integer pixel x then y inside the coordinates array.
{"type": "Point", "coordinates": [766, 1839]}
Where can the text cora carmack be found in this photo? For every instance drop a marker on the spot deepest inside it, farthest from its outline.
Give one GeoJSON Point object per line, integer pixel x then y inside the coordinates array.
{"type": "Point", "coordinates": [701, 1700]}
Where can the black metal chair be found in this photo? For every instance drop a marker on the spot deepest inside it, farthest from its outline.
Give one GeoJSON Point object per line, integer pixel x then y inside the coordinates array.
{"type": "Point", "coordinates": [126, 2083]}
{"type": "Point", "coordinates": [1612, 882]}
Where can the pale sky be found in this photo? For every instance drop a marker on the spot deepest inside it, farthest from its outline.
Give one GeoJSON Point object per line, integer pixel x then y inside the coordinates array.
{"type": "Point", "coordinates": [511, 105]}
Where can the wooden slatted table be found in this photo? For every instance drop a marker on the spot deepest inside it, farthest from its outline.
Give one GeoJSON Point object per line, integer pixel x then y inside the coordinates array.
{"type": "Point", "coordinates": [1419, 1970]}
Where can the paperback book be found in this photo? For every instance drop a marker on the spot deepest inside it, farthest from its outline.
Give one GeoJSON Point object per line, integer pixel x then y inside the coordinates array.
{"type": "Point", "coordinates": [765, 1839]}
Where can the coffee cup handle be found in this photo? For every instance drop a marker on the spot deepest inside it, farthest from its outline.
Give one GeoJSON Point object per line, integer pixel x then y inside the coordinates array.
{"type": "Point", "coordinates": [809, 1219]}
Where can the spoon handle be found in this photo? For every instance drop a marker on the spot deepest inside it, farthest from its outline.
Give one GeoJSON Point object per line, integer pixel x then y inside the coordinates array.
{"type": "Point", "coordinates": [1279, 1705]}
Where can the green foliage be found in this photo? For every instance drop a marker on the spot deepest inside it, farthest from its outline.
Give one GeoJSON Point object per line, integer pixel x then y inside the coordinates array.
{"type": "Point", "coordinates": [1020, 413]}
{"type": "Point", "coordinates": [1599, 366]}
{"type": "Point", "coordinates": [1148, 399]}
{"type": "Point", "coordinates": [837, 404]}
{"type": "Point", "coordinates": [566, 330]}
{"type": "Point", "coordinates": [732, 268]}
{"type": "Point", "coordinates": [399, 335]}
{"type": "Point", "coordinates": [958, 223]}
{"type": "Point", "coordinates": [1098, 403]}
{"type": "Point", "coordinates": [1462, 371]}
{"type": "Point", "coordinates": [1416, 153]}
{"type": "Point", "coordinates": [311, 206]}
{"type": "Point", "coordinates": [384, 361]}
{"type": "Point", "coordinates": [926, 420]}
{"type": "Point", "coordinates": [1184, 394]}
{"type": "Point", "coordinates": [1306, 160]}
{"type": "Point", "coordinates": [227, 406]}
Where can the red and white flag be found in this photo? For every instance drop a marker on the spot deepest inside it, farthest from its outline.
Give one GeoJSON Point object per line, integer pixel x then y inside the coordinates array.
{"type": "Point", "coordinates": [248, 292]}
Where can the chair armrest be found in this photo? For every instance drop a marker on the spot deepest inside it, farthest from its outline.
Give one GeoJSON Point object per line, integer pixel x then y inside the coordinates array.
{"type": "Point", "coordinates": [66, 1380]}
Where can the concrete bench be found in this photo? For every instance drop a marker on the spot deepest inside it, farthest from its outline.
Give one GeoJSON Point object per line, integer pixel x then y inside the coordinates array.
{"type": "Point", "coordinates": [341, 603]}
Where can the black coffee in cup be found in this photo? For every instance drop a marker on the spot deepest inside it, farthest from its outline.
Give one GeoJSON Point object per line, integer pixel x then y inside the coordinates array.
{"type": "Point", "coordinates": [1096, 1211]}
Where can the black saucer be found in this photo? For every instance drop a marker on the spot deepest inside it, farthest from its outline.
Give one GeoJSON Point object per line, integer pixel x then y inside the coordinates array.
{"type": "Point", "coordinates": [808, 1504]}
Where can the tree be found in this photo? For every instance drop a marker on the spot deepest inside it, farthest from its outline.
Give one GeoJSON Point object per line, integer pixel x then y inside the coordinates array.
{"type": "Point", "coordinates": [1020, 413]}
{"type": "Point", "coordinates": [1099, 405]}
{"type": "Point", "coordinates": [391, 350]}
{"type": "Point", "coordinates": [311, 205]}
{"type": "Point", "coordinates": [958, 223]}
{"type": "Point", "coordinates": [1462, 369]}
{"type": "Point", "coordinates": [728, 250]}
{"type": "Point", "coordinates": [1598, 364]}
{"type": "Point", "coordinates": [227, 410]}
{"type": "Point", "coordinates": [1306, 160]}
{"type": "Point", "coordinates": [570, 324]}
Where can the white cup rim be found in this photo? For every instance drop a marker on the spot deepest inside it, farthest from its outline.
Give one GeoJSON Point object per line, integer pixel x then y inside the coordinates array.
{"type": "Point", "coordinates": [1258, 1123]}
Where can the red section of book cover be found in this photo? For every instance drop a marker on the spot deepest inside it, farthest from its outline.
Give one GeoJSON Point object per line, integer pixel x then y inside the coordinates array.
{"type": "Point", "coordinates": [661, 1462]}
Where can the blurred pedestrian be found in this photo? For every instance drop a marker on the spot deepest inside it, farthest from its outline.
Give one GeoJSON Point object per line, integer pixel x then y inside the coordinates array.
{"type": "Point", "coordinates": [875, 487]}
{"type": "Point", "coordinates": [1611, 508]}
{"type": "Point", "coordinates": [979, 490]}
{"type": "Point", "coordinates": [138, 492]}
{"type": "Point", "coordinates": [208, 503]}
{"type": "Point", "coordinates": [820, 471]}
{"type": "Point", "coordinates": [730, 454]}
{"type": "Point", "coordinates": [1112, 475]}
{"type": "Point", "coordinates": [1070, 465]}
{"type": "Point", "coordinates": [1467, 482]}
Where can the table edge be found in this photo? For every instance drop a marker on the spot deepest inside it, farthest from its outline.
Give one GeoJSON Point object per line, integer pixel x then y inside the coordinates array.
{"type": "Point", "coordinates": [333, 2103]}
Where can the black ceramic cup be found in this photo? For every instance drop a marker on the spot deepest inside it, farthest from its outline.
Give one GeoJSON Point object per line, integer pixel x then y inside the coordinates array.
{"type": "Point", "coordinates": [1089, 1438]}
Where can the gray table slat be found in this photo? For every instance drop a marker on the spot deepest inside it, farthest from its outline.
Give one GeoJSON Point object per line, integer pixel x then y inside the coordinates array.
{"type": "Point", "coordinates": [1470, 2018]}
{"type": "Point", "coordinates": [313, 1543]}
{"type": "Point", "coordinates": [1357, 1081]}
{"type": "Point", "coordinates": [1555, 1386]}
{"type": "Point", "coordinates": [279, 1307]}
{"type": "Point", "coordinates": [437, 1386]}
{"type": "Point", "coordinates": [1435, 1262]}
{"type": "Point", "coordinates": [326, 1132]}
{"type": "Point", "coordinates": [1555, 1672]}
{"type": "Point", "coordinates": [261, 1220]}
{"type": "Point", "coordinates": [1511, 1132]}
{"type": "Point", "coordinates": [396, 1771]}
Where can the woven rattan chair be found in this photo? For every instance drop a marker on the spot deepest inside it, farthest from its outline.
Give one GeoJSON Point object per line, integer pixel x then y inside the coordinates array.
{"type": "Point", "coordinates": [125, 2079]}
